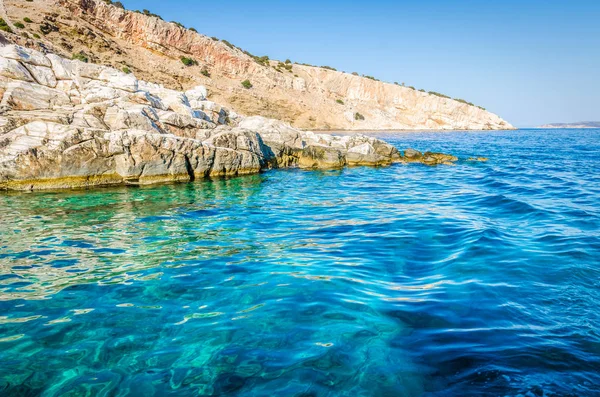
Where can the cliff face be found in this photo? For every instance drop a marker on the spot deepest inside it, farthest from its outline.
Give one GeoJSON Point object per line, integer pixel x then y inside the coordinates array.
{"type": "Point", "coordinates": [307, 97]}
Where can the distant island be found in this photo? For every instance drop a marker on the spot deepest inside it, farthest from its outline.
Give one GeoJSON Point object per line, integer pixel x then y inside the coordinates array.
{"type": "Point", "coordinates": [581, 124]}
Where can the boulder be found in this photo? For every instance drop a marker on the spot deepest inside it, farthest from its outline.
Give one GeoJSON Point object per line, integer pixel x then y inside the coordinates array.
{"type": "Point", "coordinates": [43, 75]}
{"type": "Point", "coordinates": [20, 95]}
{"type": "Point", "coordinates": [24, 55]}
{"type": "Point", "coordinates": [14, 70]}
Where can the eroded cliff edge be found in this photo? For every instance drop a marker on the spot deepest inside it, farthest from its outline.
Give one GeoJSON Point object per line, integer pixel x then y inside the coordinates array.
{"type": "Point", "coordinates": [66, 123]}
{"type": "Point", "coordinates": [305, 96]}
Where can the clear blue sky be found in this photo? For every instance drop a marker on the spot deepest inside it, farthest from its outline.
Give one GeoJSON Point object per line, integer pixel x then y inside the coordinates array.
{"type": "Point", "coordinates": [530, 61]}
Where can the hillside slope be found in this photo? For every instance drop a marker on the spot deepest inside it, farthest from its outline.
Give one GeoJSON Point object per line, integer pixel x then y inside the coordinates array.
{"type": "Point", "coordinates": [307, 97]}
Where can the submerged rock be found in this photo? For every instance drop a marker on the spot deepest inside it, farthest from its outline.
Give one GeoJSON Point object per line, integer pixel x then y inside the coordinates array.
{"type": "Point", "coordinates": [69, 124]}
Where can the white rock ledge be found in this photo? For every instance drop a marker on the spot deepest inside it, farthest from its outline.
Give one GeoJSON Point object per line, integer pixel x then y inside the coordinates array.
{"type": "Point", "coordinates": [67, 124]}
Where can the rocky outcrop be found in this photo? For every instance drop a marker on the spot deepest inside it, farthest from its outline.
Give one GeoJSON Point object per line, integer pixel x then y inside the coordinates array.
{"type": "Point", "coordinates": [68, 124]}
{"type": "Point", "coordinates": [305, 96]}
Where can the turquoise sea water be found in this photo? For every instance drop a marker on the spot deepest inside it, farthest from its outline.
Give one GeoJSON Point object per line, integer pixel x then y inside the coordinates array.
{"type": "Point", "coordinates": [474, 280]}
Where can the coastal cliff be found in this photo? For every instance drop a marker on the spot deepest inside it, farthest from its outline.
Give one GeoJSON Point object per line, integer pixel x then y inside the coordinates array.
{"type": "Point", "coordinates": [308, 97]}
{"type": "Point", "coordinates": [67, 123]}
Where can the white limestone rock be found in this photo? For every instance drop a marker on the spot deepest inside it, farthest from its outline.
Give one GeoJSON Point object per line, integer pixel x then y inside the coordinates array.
{"type": "Point", "coordinates": [14, 70]}
{"type": "Point", "coordinates": [43, 75]}
{"type": "Point", "coordinates": [25, 55]}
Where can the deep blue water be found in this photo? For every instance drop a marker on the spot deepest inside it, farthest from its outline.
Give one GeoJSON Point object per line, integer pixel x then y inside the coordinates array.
{"type": "Point", "coordinates": [473, 280]}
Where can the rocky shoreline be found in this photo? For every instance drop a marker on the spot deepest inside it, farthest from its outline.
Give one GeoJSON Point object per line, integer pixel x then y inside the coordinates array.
{"type": "Point", "coordinates": [66, 123]}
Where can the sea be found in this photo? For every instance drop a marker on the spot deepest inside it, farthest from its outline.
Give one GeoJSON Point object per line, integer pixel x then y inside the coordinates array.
{"type": "Point", "coordinates": [478, 279]}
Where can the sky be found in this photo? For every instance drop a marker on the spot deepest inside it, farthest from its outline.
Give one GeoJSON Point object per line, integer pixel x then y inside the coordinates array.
{"type": "Point", "coordinates": [530, 61]}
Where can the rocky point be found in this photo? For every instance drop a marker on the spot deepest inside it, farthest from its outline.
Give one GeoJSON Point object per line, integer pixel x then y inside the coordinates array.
{"type": "Point", "coordinates": [66, 123]}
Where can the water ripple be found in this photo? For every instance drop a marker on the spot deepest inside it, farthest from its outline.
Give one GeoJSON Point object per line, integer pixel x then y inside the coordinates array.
{"type": "Point", "coordinates": [478, 279]}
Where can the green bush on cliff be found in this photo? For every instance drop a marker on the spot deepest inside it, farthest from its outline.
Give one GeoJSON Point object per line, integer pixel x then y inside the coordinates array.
{"type": "Point", "coordinates": [329, 68]}
{"type": "Point", "coordinates": [81, 56]}
{"type": "Point", "coordinates": [19, 25]}
{"type": "Point", "coordinates": [339, 101]}
{"type": "Point", "coordinates": [188, 61]}
{"type": "Point", "coordinates": [150, 14]}
{"type": "Point", "coordinates": [264, 60]}
{"type": "Point", "coordinates": [463, 101]}
{"type": "Point", "coordinates": [228, 44]}
{"type": "Point", "coordinates": [204, 72]}
{"type": "Point", "coordinates": [194, 30]}
{"type": "Point", "coordinates": [438, 94]}
{"type": "Point", "coordinates": [288, 61]}
{"type": "Point", "coordinates": [246, 84]}
{"type": "Point", "coordinates": [126, 70]}
{"type": "Point", "coordinates": [358, 116]}
{"type": "Point", "coordinates": [4, 26]}
{"type": "Point", "coordinates": [27, 20]}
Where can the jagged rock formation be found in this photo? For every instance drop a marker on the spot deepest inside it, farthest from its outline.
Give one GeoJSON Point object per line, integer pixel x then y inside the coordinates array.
{"type": "Point", "coordinates": [307, 97]}
{"type": "Point", "coordinates": [68, 123]}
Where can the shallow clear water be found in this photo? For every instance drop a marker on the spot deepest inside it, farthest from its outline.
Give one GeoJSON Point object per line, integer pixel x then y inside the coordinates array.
{"type": "Point", "coordinates": [478, 279]}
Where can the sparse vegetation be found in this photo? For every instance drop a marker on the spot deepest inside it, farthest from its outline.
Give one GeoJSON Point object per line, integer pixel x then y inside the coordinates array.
{"type": "Point", "coordinates": [194, 30]}
{"type": "Point", "coordinates": [204, 72]}
{"type": "Point", "coordinates": [81, 56]}
{"type": "Point", "coordinates": [36, 36]}
{"type": "Point", "coordinates": [287, 61]}
{"type": "Point", "coordinates": [354, 74]}
{"type": "Point", "coordinates": [370, 78]}
{"type": "Point", "coordinates": [286, 66]}
{"type": "Point", "coordinates": [463, 101]}
{"type": "Point", "coordinates": [4, 26]}
{"type": "Point", "coordinates": [264, 60]}
{"type": "Point", "coordinates": [126, 70]}
{"type": "Point", "coordinates": [339, 101]}
{"type": "Point", "coordinates": [422, 90]}
{"type": "Point", "coordinates": [228, 44]}
{"type": "Point", "coordinates": [150, 14]}
{"type": "Point", "coordinates": [215, 38]}
{"type": "Point", "coordinates": [438, 94]}
{"type": "Point", "coordinates": [329, 68]}
{"type": "Point", "coordinates": [178, 24]}
{"type": "Point", "coordinates": [411, 87]}
{"type": "Point", "coordinates": [27, 20]}
{"type": "Point", "coordinates": [246, 84]}
{"type": "Point", "coordinates": [188, 61]}
{"type": "Point", "coordinates": [19, 25]}
{"type": "Point", "coordinates": [115, 3]}
{"type": "Point", "coordinates": [358, 116]}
